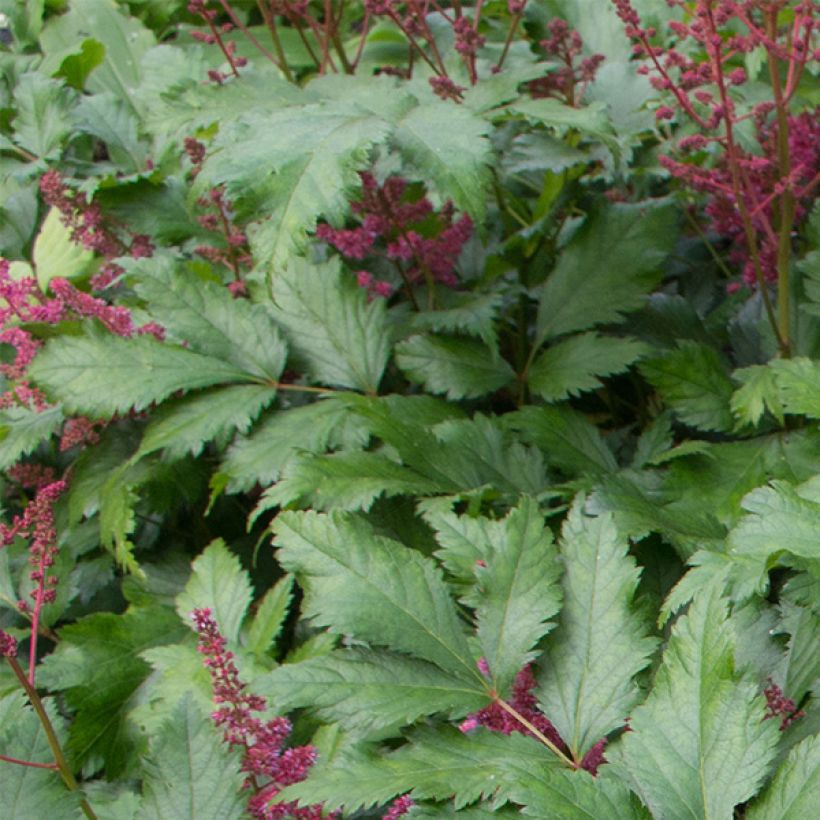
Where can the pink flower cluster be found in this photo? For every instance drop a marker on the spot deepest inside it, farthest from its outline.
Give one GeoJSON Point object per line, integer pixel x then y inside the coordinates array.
{"type": "Point", "coordinates": [214, 36]}
{"type": "Point", "coordinates": [269, 767]}
{"type": "Point", "coordinates": [569, 80]}
{"type": "Point", "coordinates": [8, 645]}
{"type": "Point", "coordinates": [91, 229]}
{"type": "Point", "coordinates": [497, 719]}
{"type": "Point", "coordinates": [756, 196]}
{"type": "Point", "coordinates": [423, 244]}
{"type": "Point", "coordinates": [399, 807]}
{"type": "Point", "coordinates": [778, 705]}
{"type": "Point", "coordinates": [233, 251]}
{"type": "Point", "coordinates": [22, 301]}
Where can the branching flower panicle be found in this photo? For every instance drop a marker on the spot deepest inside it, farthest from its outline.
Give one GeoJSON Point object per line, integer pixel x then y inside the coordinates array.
{"type": "Point", "coordinates": [270, 767]}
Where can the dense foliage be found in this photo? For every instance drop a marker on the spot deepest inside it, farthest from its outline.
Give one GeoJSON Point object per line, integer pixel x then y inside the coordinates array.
{"type": "Point", "coordinates": [409, 409]}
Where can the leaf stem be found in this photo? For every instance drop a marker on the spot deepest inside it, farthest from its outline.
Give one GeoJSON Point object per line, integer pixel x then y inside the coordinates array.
{"type": "Point", "coordinates": [537, 733]}
{"type": "Point", "coordinates": [51, 736]}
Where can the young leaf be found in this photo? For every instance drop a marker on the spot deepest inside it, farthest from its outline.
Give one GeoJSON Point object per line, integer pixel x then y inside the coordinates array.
{"type": "Point", "coordinates": [693, 382]}
{"type": "Point", "coordinates": [461, 368]}
{"type": "Point", "coordinates": [55, 254]}
{"type": "Point", "coordinates": [270, 617]}
{"type": "Point", "coordinates": [374, 588]}
{"type": "Point", "coordinates": [518, 593]}
{"type": "Point", "coordinates": [587, 685]}
{"type": "Point", "coordinates": [97, 665]}
{"type": "Point", "coordinates": [100, 374]}
{"type": "Point", "coordinates": [368, 691]}
{"type": "Point", "coordinates": [190, 773]}
{"type": "Point", "coordinates": [341, 337]}
{"type": "Point", "coordinates": [699, 744]}
{"type": "Point", "coordinates": [794, 794]}
{"type": "Point", "coordinates": [573, 365]}
{"type": "Point", "coordinates": [210, 320]}
{"type": "Point", "coordinates": [218, 583]}
{"type": "Point", "coordinates": [30, 792]}
{"type": "Point", "coordinates": [618, 252]}
{"type": "Point", "coordinates": [185, 425]}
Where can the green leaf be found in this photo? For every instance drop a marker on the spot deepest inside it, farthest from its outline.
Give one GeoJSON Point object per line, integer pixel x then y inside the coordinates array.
{"type": "Point", "coordinates": [100, 374]}
{"type": "Point", "coordinates": [693, 381]}
{"type": "Point", "coordinates": [460, 368]}
{"type": "Point", "coordinates": [471, 314]}
{"type": "Point", "coordinates": [563, 795]}
{"type": "Point", "coordinates": [218, 583]}
{"type": "Point", "coordinates": [518, 593]}
{"type": "Point", "coordinates": [125, 40]}
{"type": "Point", "coordinates": [374, 588]}
{"type": "Point", "coordinates": [780, 518]}
{"type": "Point", "coordinates": [573, 365]}
{"type": "Point", "coordinates": [800, 665]}
{"type": "Point", "coordinates": [97, 666]}
{"type": "Point", "coordinates": [76, 67]}
{"type": "Point", "coordinates": [455, 158]}
{"type": "Point", "coordinates": [587, 684]}
{"type": "Point", "coordinates": [369, 692]}
{"type": "Point", "coordinates": [43, 119]}
{"type": "Point", "coordinates": [56, 254]}
{"type": "Point", "coordinates": [794, 793]}
{"type": "Point", "coordinates": [617, 252]}
{"type": "Point", "coordinates": [757, 394]}
{"type": "Point", "coordinates": [798, 381]}
{"type": "Point", "coordinates": [341, 337]}
{"type": "Point", "coordinates": [565, 437]}
{"type": "Point", "coordinates": [260, 457]}
{"type": "Point", "coordinates": [30, 792]}
{"type": "Point", "coordinates": [107, 117]}
{"type": "Point", "coordinates": [269, 618]}
{"type": "Point", "coordinates": [210, 320]}
{"type": "Point", "coordinates": [350, 480]}
{"type": "Point", "coordinates": [22, 430]}
{"type": "Point", "coordinates": [441, 764]}
{"type": "Point", "coordinates": [118, 500]}
{"type": "Point", "coordinates": [184, 425]}
{"type": "Point", "coordinates": [591, 120]}
{"type": "Point", "coordinates": [699, 744]}
{"type": "Point", "coordinates": [306, 159]}
{"type": "Point", "coordinates": [190, 774]}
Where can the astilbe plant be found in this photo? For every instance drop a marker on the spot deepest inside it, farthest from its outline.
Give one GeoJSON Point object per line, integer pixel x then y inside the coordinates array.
{"type": "Point", "coordinates": [756, 198]}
